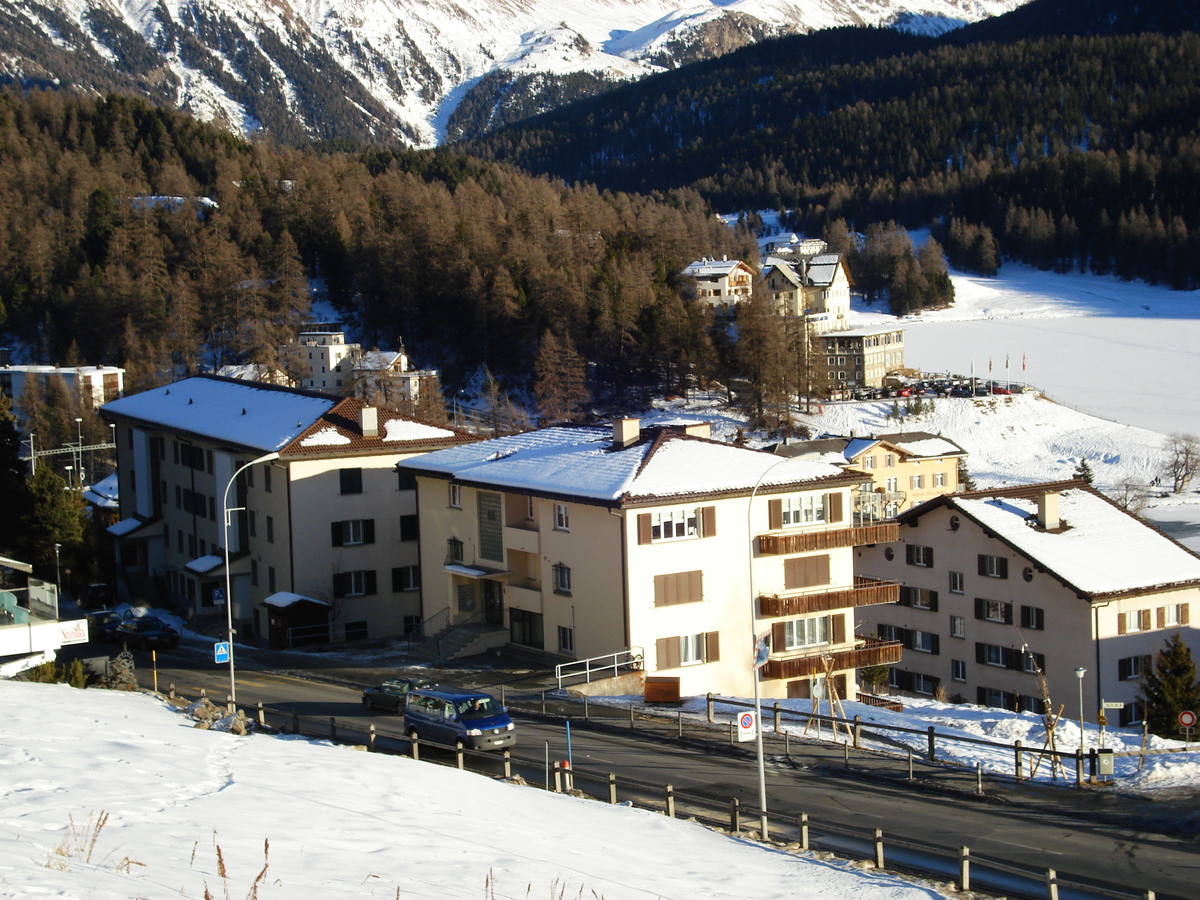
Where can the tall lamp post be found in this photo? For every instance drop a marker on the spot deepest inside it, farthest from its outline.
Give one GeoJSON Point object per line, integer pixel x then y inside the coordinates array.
{"type": "Point", "coordinates": [1079, 673]}
{"type": "Point", "coordinates": [269, 457]}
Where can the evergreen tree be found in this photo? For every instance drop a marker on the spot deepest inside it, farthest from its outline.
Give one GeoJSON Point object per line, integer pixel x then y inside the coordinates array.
{"type": "Point", "coordinates": [1083, 471]}
{"type": "Point", "coordinates": [965, 482]}
{"type": "Point", "coordinates": [12, 477]}
{"type": "Point", "coordinates": [560, 379]}
{"type": "Point", "coordinates": [51, 514]}
{"type": "Point", "coordinates": [1169, 687]}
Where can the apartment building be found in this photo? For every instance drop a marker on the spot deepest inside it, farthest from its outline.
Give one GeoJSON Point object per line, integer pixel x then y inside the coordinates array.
{"type": "Point", "coordinates": [862, 357]}
{"type": "Point", "coordinates": [1006, 586]}
{"type": "Point", "coordinates": [722, 283]}
{"type": "Point", "coordinates": [322, 538]}
{"type": "Point", "coordinates": [585, 541]}
{"type": "Point", "coordinates": [95, 385]}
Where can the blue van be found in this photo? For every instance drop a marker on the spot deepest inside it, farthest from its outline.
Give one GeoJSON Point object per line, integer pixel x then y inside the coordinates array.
{"type": "Point", "coordinates": [468, 718]}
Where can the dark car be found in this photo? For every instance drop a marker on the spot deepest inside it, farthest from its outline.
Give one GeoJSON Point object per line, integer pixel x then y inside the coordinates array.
{"type": "Point", "coordinates": [961, 392]}
{"type": "Point", "coordinates": [102, 624]}
{"type": "Point", "coordinates": [96, 596]}
{"type": "Point", "coordinates": [393, 693]}
{"type": "Point", "coordinates": [146, 633]}
{"type": "Point", "coordinates": [458, 718]}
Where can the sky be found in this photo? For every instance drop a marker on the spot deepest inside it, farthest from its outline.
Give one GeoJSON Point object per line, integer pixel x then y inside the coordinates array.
{"type": "Point", "coordinates": [116, 795]}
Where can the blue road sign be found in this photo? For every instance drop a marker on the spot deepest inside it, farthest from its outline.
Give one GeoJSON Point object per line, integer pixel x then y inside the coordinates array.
{"type": "Point", "coordinates": [221, 652]}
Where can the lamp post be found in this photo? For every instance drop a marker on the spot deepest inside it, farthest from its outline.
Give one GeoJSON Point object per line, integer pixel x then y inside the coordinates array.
{"type": "Point", "coordinates": [79, 448]}
{"type": "Point", "coordinates": [228, 580]}
{"type": "Point", "coordinates": [1079, 673]}
{"type": "Point", "coordinates": [57, 571]}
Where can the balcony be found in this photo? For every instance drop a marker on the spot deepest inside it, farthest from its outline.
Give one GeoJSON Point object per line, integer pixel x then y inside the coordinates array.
{"type": "Point", "coordinates": [523, 594]}
{"type": "Point", "coordinates": [830, 539]}
{"type": "Point", "coordinates": [869, 652]}
{"type": "Point", "coordinates": [866, 592]}
{"type": "Point", "coordinates": [522, 539]}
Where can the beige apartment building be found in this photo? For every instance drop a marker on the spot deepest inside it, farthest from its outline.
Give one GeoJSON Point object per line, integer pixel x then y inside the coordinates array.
{"type": "Point", "coordinates": [862, 357]}
{"type": "Point", "coordinates": [322, 539]}
{"type": "Point", "coordinates": [659, 543]}
{"type": "Point", "coordinates": [1000, 585]}
{"type": "Point", "coordinates": [721, 283]}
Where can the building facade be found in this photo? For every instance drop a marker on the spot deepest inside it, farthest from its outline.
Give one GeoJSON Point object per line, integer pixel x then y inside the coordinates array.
{"type": "Point", "coordinates": [862, 357]}
{"type": "Point", "coordinates": [721, 283]}
{"type": "Point", "coordinates": [95, 385]}
{"type": "Point", "coordinates": [1005, 588]}
{"type": "Point", "coordinates": [322, 540]}
{"type": "Point", "coordinates": [581, 542]}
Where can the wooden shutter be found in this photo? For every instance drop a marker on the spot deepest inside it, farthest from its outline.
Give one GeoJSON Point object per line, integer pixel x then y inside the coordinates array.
{"type": "Point", "coordinates": [1012, 658]}
{"type": "Point", "coordinates": [909, 553]}
{"type": "Point", "coordinates": [1161, 615]}
{"type": "Point", "coordinates": [833, 507]}
{"type": "Point", "coordinates": [335, 530]}
{"type": "Point", "coordinates": [1008, 614]}
{"type": "Point", "coordinates": [1002, 570]}
{"type": "Point", "coordinates": [678, 587]}
{"type": "Point", "coordinates": [980, 653]}
{"type": "Point", "coordinates": [778, 636]}
{"type": "Point", "coordinates": [1145, 619]}
{"type": "Point", "coordinates": [368, 531]}
{"type": "Point", "coordinates": [339, 584]}
{"type": "Point", "coordinates": [708, 521]}
{"type": "Point", "coordinates": [667, 652]}
{"type": "Point", "coordinates": [774, 514]}
{"type": "Point", "coordinates": [1121, 623]}
{"type": "Point", "coordinates": [643, 528]}
{"type": "Point", "coordinates": [936, 646]}
{"type": "Point", "coordinates": [983, 565]}
{"type": "Point", "coordinates": [369, 586]}
{"type": "Point", "coordinates": [1184, 616]}
{"type": "Point", "coordinates": [712, 646]}
{"type": "Point", "coordinates": [981, 609]}
{"type": "Point", "coordinates": [838, 628]}
{"type": "Point", "coordinates": [906, 595]}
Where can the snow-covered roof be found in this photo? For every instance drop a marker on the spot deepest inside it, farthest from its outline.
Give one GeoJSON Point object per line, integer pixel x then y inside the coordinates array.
{"type": "Point", "coordinates": [711, 268]}
{"type": "Point", "coordinates": [239, 413]}
{"type": "Point", "coordinates": [103, 493]}
{"type": "Point", "coordinates": [823, 269]}
{"type": "Point", "coordinates": [581, 462]}
{"type": "Point", "coordinates": [405, 430]}
{"type": "Point", "coordinates": [925, 445]}
{"type": "Point", "coordinates": [326, 437]}
{"type": "Point", "coordinates": [1100, 550]}
{"type": "Point", "coordinates": [920, 444]}
{"type": "Point", "coordinates": [204, 564]}
{"type": "Point", "coordinates": [284, 599]}
{"type": "Point", "coordinates": [125, 526]}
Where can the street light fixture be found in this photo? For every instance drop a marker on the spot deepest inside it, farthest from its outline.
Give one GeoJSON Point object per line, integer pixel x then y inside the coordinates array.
{"type": "Point", "coordinates": [1079, 673]}
{"type": "Point", "coordinates": [269, 457]}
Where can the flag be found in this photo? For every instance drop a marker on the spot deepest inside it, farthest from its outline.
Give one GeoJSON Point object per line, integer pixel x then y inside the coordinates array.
{"type": "Point", "coordinates": [1022, 362]}
{"type": "Point", "coordinates": [762, 649]}
{"type": "Point", "coordinates": [989, 365]}
{"type": "Point", "coordinates": [1005, 362]}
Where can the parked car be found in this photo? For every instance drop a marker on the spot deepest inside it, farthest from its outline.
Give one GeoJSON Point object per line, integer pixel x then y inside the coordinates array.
{"type": "Point", "coordinates": [146, 632]}
{"type": "Point", "coordinates": [102, 623]}
{"type": "Point", "coordinates": [392, 693]}
{"type": "Point", "coordinates": [459, 718]}
{"type": "Point", "coordinates": [962, 392]}
{"type": "Point", "coordinates": [1000, 389]}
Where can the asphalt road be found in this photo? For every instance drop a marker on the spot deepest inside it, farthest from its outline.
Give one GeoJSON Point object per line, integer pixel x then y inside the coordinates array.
{"type": "Point", "coordinates": [1081, 834]}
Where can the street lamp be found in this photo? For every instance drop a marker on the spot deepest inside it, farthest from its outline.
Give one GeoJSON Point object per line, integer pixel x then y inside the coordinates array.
{"type": "Point", "coordinates": [1079, 673]}
{"type": "Point", "coordinates": [57, 571]}
{"type": "Point", "coordinates": [79, 447]}
{"type": "Point", "coordinates": [70, 470]}
{"type": "Point", "coordinates": [228, 581]}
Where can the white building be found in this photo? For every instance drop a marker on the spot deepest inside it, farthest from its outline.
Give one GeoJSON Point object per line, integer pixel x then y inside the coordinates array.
{"type": "Point", "coordinates": [95, 385]}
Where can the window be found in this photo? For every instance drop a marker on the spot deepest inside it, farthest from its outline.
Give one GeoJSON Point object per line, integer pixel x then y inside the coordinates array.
{"type": "Point", "coordinates": [993, 611]}
{"type": "Point", "coordinates": [1175, 614]}
{"type": "Point", "coordinates": [889, 632]}
{"type": "Point", "coordinates": [997, 698]}
{"type": "Point", "coordinates": [252, 523]}
{"type": "Point", "coordinates": [562, 578]}
{"type": "Point", "coordinates": [270, 579]}
{"type": "Point", "coordinates": [918, 555]}
{"type": "Point", "coordinates": [668, 525]}
{"type": "Point", "coordinates": [678, 587]}
{"type": "Point", "coordinates": [958, 626]}
{"type": "Point", "coordinates": [270, 529]}
{"type": "Point", "coordinates": [939, 479]}
{"type": "Point", "coordinates": [889, 460]}
{"type": "Point", "coordinates": [924, 684]}
{"type": "Point", "coordinates": [869, 462]}
{"type": "Point", "coordinates": [454, 550]}
{"type": "Point", "coordinates": [956, 583]}
{"type": "Point", "coordinates": [254, 572]}
{"type": "Point", "coordinates": [354, 584]}
{"type": "Point", "coordinates": [1133, 667]}
{"type": "Point", "coordinates": [1134, 620]}
{"type": "Point", "coordinates": [349, 481]}
{"type": "Point", "coordinates": [408, 528]}
{"type": "Point", "coordinates": [525, 628]}
{"type": "Point", "coordinates": [456, 495]}
{"type": "Point", "coordinates": [691, 649]}
{"type": "Point", "coordinates": [1033, 618]}
{"type": "Point", "coordinates": [344, 534]}
{"type": "Point", "coordinates": [958, 670]}
{"type": "Point", "coordinates": [924, 641]}
{"type": "Point", "coordinates": [566, 639]}
{"type": "Point", "coordinates": [1132, 714]}
{"type": "Point", "coordinates": [916, 482]}
{"type": "Point", "coordinates": [918, 598]}
{"type": "Point", "coordinates": [562, 517]}
{"type": "Point", "coordinates": [688, 650]}
{"type": "Point", "coordinates": [805, 632]}
{"type": "Point", "coordinates": [891, 485]}
{"type": "Point", "coordinates": [405, 481]}
{"type": "Point", "coordinates": [993, 566]}
{"type": "Point", "coordinates": [1033, 662]}
{"type": "Point", "coordinates": [406, 578]}
{"type": "Point", "coordinates": [994, 656]}
{"type": "Point", "coordinates": [803, 509]}
{"type": "Point", "coordinates": [267, 481]}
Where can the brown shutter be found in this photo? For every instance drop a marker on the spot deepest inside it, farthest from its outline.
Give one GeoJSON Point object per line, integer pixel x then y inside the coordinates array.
{"type": "Point", "coordinates": [712, 647]}
{"type": "Point", "coordinates": [833, 507]}
{"type": "Point", "coordinates": [668, 652]}
{"type": "Point", "coordinates": [778, 636]}
{"type": "Point", "coordinates": [1120, 623]}
{"type": "Point", "coordinates": [774, 514]}
{"type": "Point", "coordinates": [1184, 617]}
{"type": "Point", "coordinates": [838, 624]}
{"type": "Point", "coordinates": [1161, 614]}
{"type": "Point", "coordinates": [695, 585]}
{"type": "Point", "coordinates": [793, 573]}
{"type": "Point", "coordinates": [1145, 614]}
{"type": "Point", "coordinates": [708, 521]}
{"type": "Point", "coordinates": [643, 528]}
{"type": "Point", "coordinates": [660, 590]}
{"type": "Point", "coordinates": [820, 569]}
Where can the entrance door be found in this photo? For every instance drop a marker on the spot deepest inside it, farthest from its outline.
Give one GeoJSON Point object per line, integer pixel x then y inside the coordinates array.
{"type": "Point", "coordinates": [493, 603]}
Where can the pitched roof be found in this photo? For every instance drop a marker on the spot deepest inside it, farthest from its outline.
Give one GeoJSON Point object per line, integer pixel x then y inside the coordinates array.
{"type": "Point", "coordinates": [582, 463]}
{"type": "Point", "coordinates": [710, 268]}
{"type": "Point", "coordinates": [918, 444]}
{"type": "Point", "coordinates": [1100, 551]}
{"type": "Point", "coordinates": [823, 269]}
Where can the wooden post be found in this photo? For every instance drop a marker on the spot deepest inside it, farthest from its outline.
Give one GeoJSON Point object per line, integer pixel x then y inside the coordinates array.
{"type": "Point", "coordinates": [787, 743]}
{"type": "Point", "coordinates": [910, 764]}
{"type": "Point", "coordinates": [557, 778]}
{"type": "Point", "coordinates": [228, 705]}
{"type": "Point", "coordinates": [670, 801]}
{"type": "Point", "coordinates": [778, 717]}
{"type": "Point", "coordinates": [964, 869]}
{"type": "Point", "coordinates": [612, 788]}
{"type": "Point", "coordinates": [879, 848]}
{"type": "Point", "coordinates": [1017, 768]}
{"type": "Point", "coordinates": [630, 716]}
{"type": "Point", "coordinates": [332, 728]}
{"type": "Point", "coordinates": [295, 723]}
{"type": "Point", "coordinates": [709, 705]}
{"type": "Point", "coordinates": [846, 755]}
{"type": "Point", "coordinates": [414, 746]}
{"type": "Point", "coordinates": [1092, 767]}
{"type": "Point", "coordinates": [1078, 768]}
{"type": "Point", "coordinates": [371, 738]}
{"type": "Point", "coordinates": [171, 690]}
{"type": "Point", "coordinates": [858, 732]}
{"type": "Point", "coordinates": [979, 779]}
{"type": "Point", "coordinates": [543, 703]}
{"type": "Point", "coordinates": [503, 702]}
{"type": "Point", "coordinates": [679, 724]}
{"type": "Point", "coordinates": [803, 831]}
{"type": "Point", "coordinates": [585, 707]}
{"type": "Point", "coordinates": [735, 816]}
{"type": "Point", "coordinates": [932, 738]}
{"type": "Point", "coordinates": [458, 756]}
{"type": "Point", "coordinates": [262, 715]}
{"type": "Point", "coordinates": [1051, 885]}
{"type": "Point", "coordinates": [507, 764]}
{"type": "Point", "coordinates": [202, 694]}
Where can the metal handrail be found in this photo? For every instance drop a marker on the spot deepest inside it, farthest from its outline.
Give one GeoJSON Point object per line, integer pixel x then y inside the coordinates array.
{"type": "Point", "coordinates": [468, 623]}
{"type": "Point", "coordinates": [632, 662]}
{"type": "Point", "coordinates": [422, 631]}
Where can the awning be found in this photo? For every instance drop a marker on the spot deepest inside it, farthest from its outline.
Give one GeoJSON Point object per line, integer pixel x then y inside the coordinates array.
{"type": "Point", "coordinates": [284, 599]}
{"type": "Point", "coordinates": [14, 564]}
{"type": "Point", "coordinates": [204, 565]}
{"type": "Point", "coordinates": [475, 571]}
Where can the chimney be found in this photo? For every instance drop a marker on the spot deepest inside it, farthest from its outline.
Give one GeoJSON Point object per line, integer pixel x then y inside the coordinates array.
{"type": "Point", "coordinates": [1048, 511]}
{"type": "Point", "coordinates": [626, 432]}
{"type": "Point", "coordinates": [368, 421]}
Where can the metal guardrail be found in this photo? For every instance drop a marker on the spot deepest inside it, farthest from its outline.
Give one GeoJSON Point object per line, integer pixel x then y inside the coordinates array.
{"type": "Point", "coordinates": [605, 666]}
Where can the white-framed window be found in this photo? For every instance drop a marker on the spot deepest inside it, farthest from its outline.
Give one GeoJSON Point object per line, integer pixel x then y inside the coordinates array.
{"type": "Point", "coordinates": [994, 610]}
{"type": "Point", "coordinates": [1132, 668]}
{"type": "Point", "coordinates": [691, 649]}
{"type": "Point", "coordinates": [1171, 615]}
{"type": "Point", "coordinates": [923, 684]}
{"type": "Point", "coordinates": [1033, 662]}
{"type": "Point", "coordinates": [916, 482]}
{"type": "Point", "coordinates": [566, 639]}
{"type": "Point", "coordinates": [920, 556]}
{"type": "Point", "coordinates": [805, 632]}
{"type": "Point", "coordinates": [993, 566]}
{"type": "Point", "coordinates": [562, 578]}
{"type": "Point", "coordinates": [869, 462]}
{"type": "Point", "coordinates": [956, 583]}
{"type": "Point", "coordinates": [924, 641]}
{"type": "Point", "coordinates": [891, 485]}
{"type": "Point", "coordinates": [456, 495]}
{"type": "Point", "coordinates": [406, 578]}
{"type": "Point", "coordinates": [674, 524]}
{"type": "Point", "coordinates": [562, 517]}
{"type": "Point", "coordinates": [994, 655]}
{"type": "Point", "coordinates": [352, 532]}
{"type": "Point", "coordinates": [958, 626]}
{"type": "Point", "coordinates": [889, 460]}
{"type": "Point", "coordinates": [958, 670]}
{"type": "Point", "coordinates": [454, 550]}
{"type": "Point", "coordinates": [803, 509]}
{"type": "Point", "coordinates": [939, 479]}
{"type": "Point", "coordinates": [1133, 621]}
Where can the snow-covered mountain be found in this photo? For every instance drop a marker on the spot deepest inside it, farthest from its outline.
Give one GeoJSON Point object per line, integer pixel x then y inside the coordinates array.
{"type": "Point", "coordinates": [395, 70]}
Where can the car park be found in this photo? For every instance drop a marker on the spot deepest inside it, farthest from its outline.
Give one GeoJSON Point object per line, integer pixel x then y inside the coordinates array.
{"type": "Point", "coordinates": [392, 694]}
{"type": "Point", "coordinates": [146, 633]}
{"type": "Point", "coordinates": [453, 717]}
{"type": "Point", "coordinates": [961, 392]}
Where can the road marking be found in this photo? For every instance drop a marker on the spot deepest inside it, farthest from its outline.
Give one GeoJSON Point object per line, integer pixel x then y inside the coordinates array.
{"type": "Point", "coordinates": [1027, 847]}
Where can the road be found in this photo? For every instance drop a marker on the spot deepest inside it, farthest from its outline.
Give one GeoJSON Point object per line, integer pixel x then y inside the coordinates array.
{"type": "Point", "coordinates": [1121, 841]}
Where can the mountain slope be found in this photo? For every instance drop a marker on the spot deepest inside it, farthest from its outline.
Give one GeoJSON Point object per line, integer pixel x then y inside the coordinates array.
{"type": "Point", "coordinates": [394, 71]}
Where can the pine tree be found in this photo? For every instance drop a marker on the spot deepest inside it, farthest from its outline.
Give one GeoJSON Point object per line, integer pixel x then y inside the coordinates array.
{"type": "Point", "coordinates": [965, 482]}
{"type": "Point", "coordinates": [1083, 471]}
{"type": "Point", "coordinates": [51, 514]}
{"type": "Point", "coordinates": [1170, 687]}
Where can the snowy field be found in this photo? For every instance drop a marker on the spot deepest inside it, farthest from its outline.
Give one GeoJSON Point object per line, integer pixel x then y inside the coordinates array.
{"type": "Point", "coordinates": [116, 796]}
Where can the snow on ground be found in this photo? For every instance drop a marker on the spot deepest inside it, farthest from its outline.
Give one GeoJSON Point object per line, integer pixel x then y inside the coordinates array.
{"type": "Point", "coordinates": [117, 796]}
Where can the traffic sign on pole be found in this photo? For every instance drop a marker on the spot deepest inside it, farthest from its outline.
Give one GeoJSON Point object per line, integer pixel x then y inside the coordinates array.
{"type": "Point", "coordinates": [746, 727]}
{"type": "Point", "coordinates": [1187, 719]}
{"type": "Point", "coordinates": [221, 652]}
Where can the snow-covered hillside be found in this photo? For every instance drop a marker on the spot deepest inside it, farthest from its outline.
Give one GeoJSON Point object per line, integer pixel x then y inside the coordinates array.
{"type": "Point", "coordinates": [408, 59]}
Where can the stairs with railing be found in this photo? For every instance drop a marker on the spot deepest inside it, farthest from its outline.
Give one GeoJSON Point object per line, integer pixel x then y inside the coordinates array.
{"type": "Point", "coordinates": [467, 638]}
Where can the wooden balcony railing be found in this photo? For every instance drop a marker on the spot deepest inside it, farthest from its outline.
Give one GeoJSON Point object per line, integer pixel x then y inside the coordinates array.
{"type": "Point", "coordinates": [831, 539]}
{"type": "Point", "coordinates": [866, 592]}
{"type": "Point", "coordinates": [870, 652]}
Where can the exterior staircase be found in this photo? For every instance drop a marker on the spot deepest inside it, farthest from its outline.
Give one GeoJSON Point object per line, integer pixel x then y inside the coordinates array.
{"type": "Point", "coordinates": [457, 641]}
